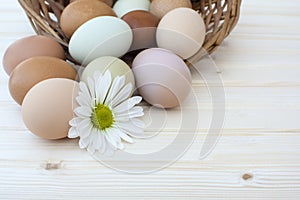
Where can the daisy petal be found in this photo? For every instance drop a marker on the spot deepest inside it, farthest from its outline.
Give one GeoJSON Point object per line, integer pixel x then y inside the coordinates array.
{"type": "Point", "coordinates": [83, 111]}
{"type": "Point", "coordinates": [73, 133]}
{"type": "Point", "coordinates": [85, 128]}
{"type": "Point", "coordinates": [122, 95]}
{"type": "Point", "coordinates": [110, 150]}
{"type": "Point", "coordinates": [99, 140]}
{"type": "Point", "coordinates": [116, 86]}
{"type": "Point", "coordinates": [111, 141]}
{"type": "Point", "coordinates": [112, 137]}
{"type": "Point", "coordinates": [91, 86]}
{"type": "Point", "coordinates": [128, 104]}
{"type": "Point", "coordinates": [75, 121]}
{"type": "Point", "coordinates": [84, 142]}
{"type": "Point", "coordinates": [138, 122]}
{"type": "Point", "coordinates": [96, 141]}
{"type": "Point", "coordinates": [120, 145]}
{"type": "Point", "coordinates": [83, 100]}
{"type": "Point", "coordinates": [124, 136]}
{"type": "Point", "coordinates": [132, 113]}
{"type": "Point", "coordinates": [131, 129]}
{"type": "Point", "coordinates": [92, 147]}
{"type": "Point", "coordinates": [84, 89]}
{"type": "Point", "coordinates": [115, 135]}
{"type": "Point", "coordinates": [105, 84]}
{"type": "Point", "coordinates": [104, 142]}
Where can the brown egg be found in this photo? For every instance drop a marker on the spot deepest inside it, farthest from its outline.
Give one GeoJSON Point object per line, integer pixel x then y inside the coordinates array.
{"type": "Point", "coordinates": [161, 7]}
{"type": "Point", "coordinates": [79, 12]}
{"type": "Point", "coordinates": [34, 70]}
{"type": "Point", "coordinates": [144, 25]}
{"type": "Point", "coordinates": [48, 107]}
{"type": "Point", "coordinates": [108, 2]}
{"type": "Point", "coordinates": [29, 47]}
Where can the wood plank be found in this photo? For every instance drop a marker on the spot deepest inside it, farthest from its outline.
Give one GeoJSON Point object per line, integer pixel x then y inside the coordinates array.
{"type": "Point", "coordinates": [257, 156]}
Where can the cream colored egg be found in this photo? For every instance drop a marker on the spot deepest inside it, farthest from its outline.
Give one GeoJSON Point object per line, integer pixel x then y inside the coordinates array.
{"type": "Point", "coordinates": [182, 31]}
{"type": "Point", "coordinates": [48, 107]}
{"type": "Point", "coordinates": [116, 66]}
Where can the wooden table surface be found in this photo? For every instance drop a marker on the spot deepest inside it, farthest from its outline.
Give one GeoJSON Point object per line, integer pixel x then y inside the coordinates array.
{"type": "Point", "coordinates": [257, 156]}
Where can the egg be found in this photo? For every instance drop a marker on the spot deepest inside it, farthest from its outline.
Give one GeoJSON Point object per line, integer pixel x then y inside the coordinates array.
{"type": "Point", "coordinates": [108, 2]}
{"type": "Point", "coordinates": [101, 36]}
{"type": "Point", "coordinates": [29, 47]}
{"type": "Point", "coordinates": [116, 66]}
{"type": "Point", "coordinates": [162, 78]}
{"type": "Point", "coordinates": [161, 7]}
{"type": "Point", "coordinates": [34, 70]}
{"type": "Point", "coordinates": [143, 25]}
{"type": "Point", "coordinates": [122, 7]}
{"type": "Point", "coordinates": [182, 31]}
{"type": "Point", "coordinates": [48, 107]}
{"type": "Point", "coordinates": [79, 12]}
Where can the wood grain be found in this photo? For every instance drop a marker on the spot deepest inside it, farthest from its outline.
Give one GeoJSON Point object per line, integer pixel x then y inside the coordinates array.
{"type": "Point", "coordinates": [257, 156]}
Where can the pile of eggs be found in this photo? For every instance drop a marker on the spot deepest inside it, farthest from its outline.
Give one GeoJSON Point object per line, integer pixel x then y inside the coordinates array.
{"type": "Point", "coordinates": [160, 34]}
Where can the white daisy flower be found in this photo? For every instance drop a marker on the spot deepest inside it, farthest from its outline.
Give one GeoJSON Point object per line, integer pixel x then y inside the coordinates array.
{"type": "Point", "coordinates": [106, 115]}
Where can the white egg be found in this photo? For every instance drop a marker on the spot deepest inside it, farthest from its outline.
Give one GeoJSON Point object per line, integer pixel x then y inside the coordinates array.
{"type": "Point", "coordinates": [123, 7]}
{"type": "Point", "coordinates": [182, 31]}
{"type": "Point", "coordinates": [100, 36]}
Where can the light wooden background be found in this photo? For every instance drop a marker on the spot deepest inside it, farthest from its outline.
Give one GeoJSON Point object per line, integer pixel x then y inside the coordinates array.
{"type": "Point", "coordinates": [258, 155]}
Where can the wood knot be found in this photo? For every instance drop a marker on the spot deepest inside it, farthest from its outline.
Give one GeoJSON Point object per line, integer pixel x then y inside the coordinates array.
{"type": "Point", "coordinates": [53, 165]}
{"type": "Point", "coordinates": [247, 177]}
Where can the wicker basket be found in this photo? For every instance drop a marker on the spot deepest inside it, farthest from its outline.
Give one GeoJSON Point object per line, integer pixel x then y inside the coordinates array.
{"type": "Point", "coordinates": [220, 17]}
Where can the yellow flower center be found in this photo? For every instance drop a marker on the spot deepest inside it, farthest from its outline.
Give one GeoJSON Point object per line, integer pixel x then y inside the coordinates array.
{"type": "Point", "coordinates": [102, 117]}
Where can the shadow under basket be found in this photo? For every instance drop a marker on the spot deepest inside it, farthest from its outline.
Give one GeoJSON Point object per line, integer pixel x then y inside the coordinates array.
{"type": "Point", "coordinates": [220, 17]}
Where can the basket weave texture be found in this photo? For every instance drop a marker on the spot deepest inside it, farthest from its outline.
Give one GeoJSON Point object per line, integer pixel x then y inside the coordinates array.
{"type": "Point", "coordinates": [220, 17]}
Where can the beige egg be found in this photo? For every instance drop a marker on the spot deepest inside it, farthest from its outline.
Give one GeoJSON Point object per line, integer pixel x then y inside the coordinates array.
{"type": "Point", "coordinates": [29, 47]}
{"type": "Point", "coordinates": [175, 34]}
{"type": "Point", "coordinates": [81, 11]}
{"type": "Point", "coordinates": [48, 107]}
{"type": "Point", "coordinates": [34, 70]}
{"type": "Point", "coordinates": [161, 7]}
